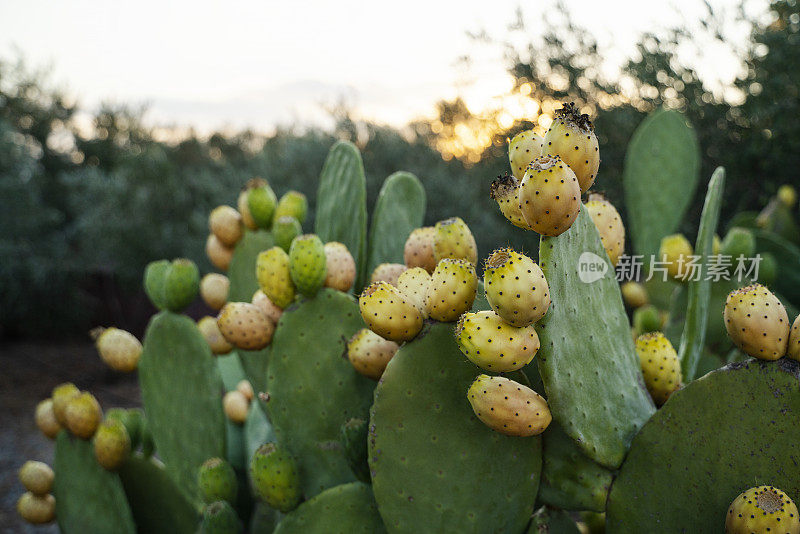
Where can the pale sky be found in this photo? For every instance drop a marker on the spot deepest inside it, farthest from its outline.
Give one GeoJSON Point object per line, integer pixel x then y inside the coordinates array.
{"type": "Point", "coordinates": [261, 63]}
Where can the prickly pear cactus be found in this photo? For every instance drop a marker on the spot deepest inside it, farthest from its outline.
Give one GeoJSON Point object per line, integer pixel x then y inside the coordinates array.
{"type": "Point", "coordinates": [241, 271]}
{"type": "Point", "coordinates": [435, 466]}
{"type": "Point", "coordinates": [257, 430]}
{"type": "Point", "coordinates": [313, 390]}
{"type": "Point", "coordinates": [587, 361]}
{"type": "Point", "coordinates": [89, 499]}
{"type": "Point", "coordinates": [721, 434]}
{"type": "Point", "coordinates": [552, 521]}
{"type": "Point", "coordinates": [346, 509]}
{"type": "Point", "coordinates": [181, 392]}
{"type": "Point", "coordinates": [661, 173]}
{"type": "Point", "coordinates": [255, 363]}
{"type": "Point", "coordinates": [787, 255]}
{"type": "Point", "coordinates": [231, 372]}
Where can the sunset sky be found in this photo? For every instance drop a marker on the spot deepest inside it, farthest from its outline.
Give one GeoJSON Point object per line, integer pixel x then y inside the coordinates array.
{"type": "Point", "coordinates": [256, 63]}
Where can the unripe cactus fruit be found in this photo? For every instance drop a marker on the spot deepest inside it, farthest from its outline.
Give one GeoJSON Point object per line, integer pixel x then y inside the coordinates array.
{"type": "Point", "coordinates": [83, 415]}
{"type": "Point", "coordinates": [508, 407]}
{"type": "Point", "coordinates": [340, 267]}
{"type": "Point", "coordinates": [244, 211]}
{"type": "Point", "coordinates": [418, 249]}
{"type": "Point", "coordinates": [738, 242]}
{"type": "Point", "coordinates": [453, 239]}
{"type": "Point", "coordinates": [284, 230]}
{"type": "Point", "coordinates": [36, 509]}
{"type": "Point", "coordinates": [154, 276]}
{"type": "Point", "coordinates": [370, 353]}
{"type": "Point", "coordinates": [214, 288]}
{"type": "Point", "coordinates": [45, 418]}
{"type": "Point", "coordinates": [660, 365]}
{"type": "Point", "coordinates": [226, 223]}
{"type": "Point", "coordinates": [292, 204]}
{"type": "Point", "coordinates": [523, 148]}
{"type": "Point", "coordinates": [414, 284]}
{"type": "Point", "coordinates": [37, 477]}
{"type": "Point", "coordinates": [505, 191]}
{"type": "Point", "coordinates": [245, 388]}
{"type": "Point", "coordinates": [275, 479]}
{"type": "Point", "coordinates": [549, 196]}
{"type": "Point", "coordinates": [216, 480]}
{"type": "Point", "coordinates": [262, 302]}
{"type": "Point", "coordinates": [787, 195]}
{"type": "Point", "coordinates": [307, 264]}
{"type": "Point", "coordinates": [119, 349]}
{"type": "Point", "coordinates": [245, 326]}
{"type": "Point", "coordinates": [112, 444]}
{"type": "Point", "coordinates": [675, 252]}
{"type": "Point", "coordinates": [219, 517]}
{"type": "Point", "coordinates": [515, 287]}
{"type": "Point", "coordinates": [62, 394]}
{"type": "Point", "coordinates": [609, 225]}
{"type": "Point", "coordinates": [387, 272]}
{"type": "Point", "coordinates": [133, 421]}
{"type": "Point", "coordinates": [494, 345]}
{"type": "Point", "coordinates": [762, 509]}
{"type": "Point", "coordinates": [274, 277]}
{"type": "Point", "coordinates": [218, 254]}
{"type": "Point", "coordinates": [646, 319]}
{"type": "Point", "coordinates": [757, 322]}
{"type": "Point", "coordinates": [261, 201]}
{"type": "Point", "coordinates": [181, 284]}
{"type": "Point", "coordinates": [211, 333]}
{"type": "Point", "coordinates": [388, 313]}
{"type": "Point", "coordinates": [571, 136]}
{"type": "Point", "coordinates": [236, 405]}
{"type": "Point", "coordinates": [634, 294]}
{"type": "Point", "coordinates": [452, 290]}
{"type": "Point", "coordinates": [793, 347]}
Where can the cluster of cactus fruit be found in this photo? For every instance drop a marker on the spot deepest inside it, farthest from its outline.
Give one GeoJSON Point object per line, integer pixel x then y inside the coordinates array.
{"type": "Point", "coordinates": [438, 400]}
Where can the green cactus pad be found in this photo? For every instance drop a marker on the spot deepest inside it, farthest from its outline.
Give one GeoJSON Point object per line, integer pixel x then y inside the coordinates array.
{"type": "Point", "coordinates": [231, 371]}
{"type": "Point", "coordinates": [255, 363]}
{"type": "Point", "coordinates": [661, 173]}
{"type": "Point", "coordinates": [89, 499]}
{"type": "Point", "coordinates": [399, 209]}
{"type": "Point", "coordinates": [788, 257]}
{"type": "Point", "coordinates": [346, 509]}
{"type": "Point", "coordinates": [353, 437]}
{"type": "Point", "coordinates": [154, 276]}
{"type": "Point", "coordinates": [587, 361]}
{"type": "Point", "coordinates": [570, 480]}
{"type": "Point", "coordinates": [552, 521]}
{"type": "Point", "coordinates": [242, 270]}
{"type": "Point", "coordinates": [342, 203]}
{"type": "Point", "coordinates": [313, 390]}
{"type": "Point", "coordinates": [733, 429]}
{"type": "Point", "coordinates": [181, 392]}
{"type": "Point", "coordinates": [264, 520]}
{"type": "Point", "coordinates": [157, 503]}
{"type": "Point", "coordinates": [435, 466]}
{"type": "Point", "coordinates": [257, 430]}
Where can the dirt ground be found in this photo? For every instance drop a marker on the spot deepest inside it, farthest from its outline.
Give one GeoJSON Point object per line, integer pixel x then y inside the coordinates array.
{"type": "Point", "coordinates": [28, 372]}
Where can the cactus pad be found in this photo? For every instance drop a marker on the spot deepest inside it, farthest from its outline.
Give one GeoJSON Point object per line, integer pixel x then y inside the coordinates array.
{"type": "Point", "coordinates": [346, 509]}
{"type": "Point", "coordinates": [242, 270]}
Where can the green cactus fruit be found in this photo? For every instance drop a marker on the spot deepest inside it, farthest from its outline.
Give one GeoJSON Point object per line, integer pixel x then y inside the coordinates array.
{"type": "Point", "coordinates": [119, 349]}
{"type": "Point", "coordinates": [757, 322]}
{"type": "Point", "coordinates": [571, 137]}
{"type": "Point", "coordinates": [767, 269]}
{"type": "Point", "coordinates": [220, 518]}
{"type": "Point", "coordinates": [62, 395]}
{"type": "Point", "coordinates": [214, 289]}
{"type": "Point", "coordinates": [45, 417]}
{"type": "Point", "coordinates": [388, 272]}
{"type": "Point", "coordinates": [275, 479]}
{"type": "Point", "coordinates": [453, 239]}
{"type": "Point", "coordinates": [675, 252]}
{"type": "Point", "coordinates": [609, 225]}
{"type": "Point", "coordinates": [244, 210]}
{"type": "Point", "coordinates": [646, 319]}
{"type": "Point", "coordinates": [181, 284]}
{"type": "Point", "coordinates": [515, 287]}
{"type": "Point", "coordinates": [226, 223]}
{"type": "Point", "coordinates": [452, 290]}
{"type": "Point", "coordinates": [634, 294]}
{"type": "Point", "coordinates": [217, 481]}
{"type": "Point", "coordinates": [505, 191]}
{"type": "Point", "coordinates": [353, 438]}
{"type": "Point", "coordinates": [112, 445]}
{"type": "Point", "coordinates": [36, 509]}
{"type": "Point", "coordinates": [494, 345]}
{"type": "Point", "coordinates": [549, 196]}
{"type": "Point", "coordinates": [267, 307]}
{"type": "Point", "coordinates": [307, 264]}
{"type": "Point", "coordinates": [340, 267]}
{"type": "Point", "coordinates": [418, 249]}
{"type": "Point", "coordinates": [218, 254]}
{"type": "Point", "coordinates": [787, 195]}
{"type": "Point", "coordinates": [154, 275]}
{"type": "Point", "coordinates": [274, 278]}
{"type": "Point", "coordinates": [370, 353]}
{"type": "Point", "coordinates": [132, 419]}
{"type": "Point", "coordinates": [523, 148]}
{"type": "Point", "coordinates": [83, 415]}
{"type": "Point", "coordinates": [284, 230]}
{"type": "Point", "coordinates": [37, 477]}
{"type": "Point", "coordinates": [660, 366]}
{"type": "Point", "coordinates": [245, 326]}
{"type": "Point", "coordinates": [292, 204]}
{"type": "Point", "coordinates": [213, 335]}
{"type": "Point", "coordinates": [738, 242]}
{"type": "Point", "coordinates": [261, 201]}
{"type": "Point", "coordinates": [414, 284]}
{"type": "Point", "coordinates": [793, 347]}
{"type": "Point", "coordinates": [762, 509]}
{"type": "Point", "coordinates": [388, 313]}
{"type": "Point", "coordinates": [508, 407]}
